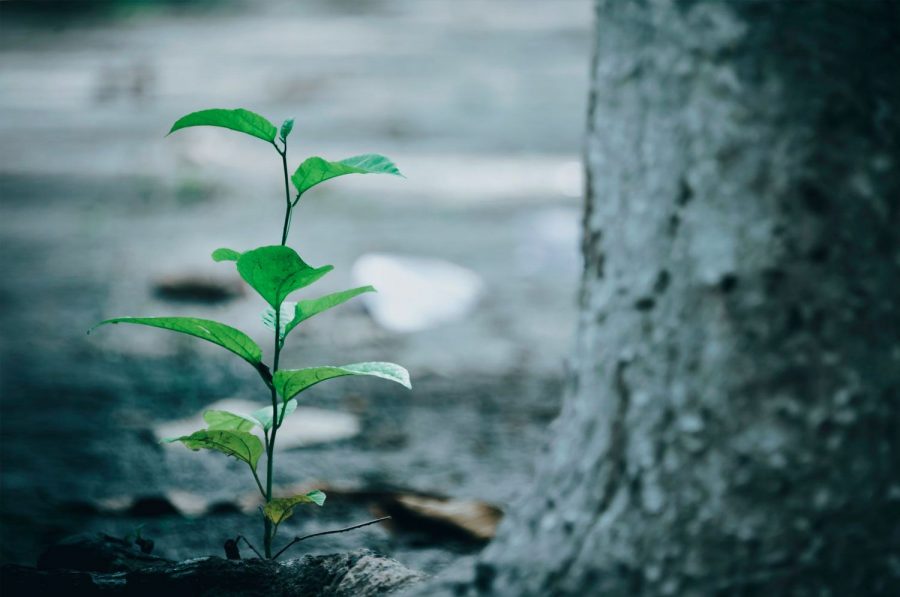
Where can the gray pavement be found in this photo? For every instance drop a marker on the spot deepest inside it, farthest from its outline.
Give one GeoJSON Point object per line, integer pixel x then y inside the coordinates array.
{"type": "Point", "coordinates": [481, 104]}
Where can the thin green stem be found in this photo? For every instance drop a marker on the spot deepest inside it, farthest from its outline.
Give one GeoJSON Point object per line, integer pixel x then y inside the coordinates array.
{"type": "Point", "coordinates": [283, 412]}
{"type": "Point", "coordinates": [270, 447]}
{"type": "Point", "coordinates": [287, 224]}
{"type": "Point", "coordinates": [270, 530]}
{"type": "Point", "coordinates": [287, 194]}
{"type": "Point", "coordinates": [258, 483]}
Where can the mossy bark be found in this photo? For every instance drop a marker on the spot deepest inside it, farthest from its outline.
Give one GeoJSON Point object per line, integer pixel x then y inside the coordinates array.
{"type": "Point", "coordinates": [732, 416]}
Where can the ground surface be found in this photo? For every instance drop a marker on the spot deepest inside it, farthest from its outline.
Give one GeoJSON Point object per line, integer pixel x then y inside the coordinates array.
{"type": "Point", "coordinates": [480, 103]}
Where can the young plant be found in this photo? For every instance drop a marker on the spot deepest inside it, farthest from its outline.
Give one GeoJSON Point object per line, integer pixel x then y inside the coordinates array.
{"type": "Point", "coordinates": [274, 272]}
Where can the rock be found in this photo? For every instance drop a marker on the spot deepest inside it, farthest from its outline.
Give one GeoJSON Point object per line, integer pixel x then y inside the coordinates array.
{"type": "Point", "coordinates": [27, 581]}
{"type": "Point", "coordinates": [416, 293]}
{"type": "Point", "coordinates": [197, 288]}
{"type": "Point", "coordinates": [97, 552]}
{"type": "Point", "coordinates": [361, 573]}
{"type": "Point", "coordinates": [372, 573]}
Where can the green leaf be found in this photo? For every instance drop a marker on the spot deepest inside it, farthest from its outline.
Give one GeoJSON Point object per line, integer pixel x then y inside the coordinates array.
{"type": "Point", "coordinates": [286, 127]}
{"type": "Point", "coordinates": [240, 444]}
{"type": "Point", "coordinates": [303, 310]}
{"type": "Point", "coordinates": [243, 121]}
{"type": "Point", "coordinates": [264, 415]}
{"type": "Point", "coordinates": [316, 170]}
{"type": "Point", "coordinates": [292, 314]}
{"type": "Point", "coordinates": [212, 331]}
{"type": "Point", "coordinates": [317, 496]}
{"type": "Point", "coordinates": [290, 382]}
{"type": "Point", "coordinates": [287, 313]}
{"type": "Point", "coordinates": [224, 254]}
{"type": "Point", "coordinates": [276, 271]}
{"type": "Point", "coordinates": [280, 509]}
{"type": "Point", "coordinates": [222, 419]}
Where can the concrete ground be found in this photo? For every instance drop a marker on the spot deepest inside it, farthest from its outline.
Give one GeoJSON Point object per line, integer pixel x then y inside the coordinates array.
{"type": "Point", "coordinates": [480, 103]}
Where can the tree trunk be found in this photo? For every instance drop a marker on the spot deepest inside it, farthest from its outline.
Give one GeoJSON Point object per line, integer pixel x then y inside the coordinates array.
{"type": "Point", "coordinates": [732, 413]}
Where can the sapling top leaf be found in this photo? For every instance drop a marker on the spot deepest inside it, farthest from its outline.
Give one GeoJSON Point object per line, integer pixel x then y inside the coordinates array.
{"type": "Point", "coordinates": [240, 120]}
{"type": "Point", "coordinates": [286, 127]}
{"type": "Point", "coordinates": [274, 272]}
{"type": "Point", "coordinates": [317, 170]}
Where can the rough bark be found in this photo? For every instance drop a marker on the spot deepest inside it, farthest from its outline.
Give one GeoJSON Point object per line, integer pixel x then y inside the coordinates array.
{"type": "Point", "coordinates": [101, 565]}
{"type": "Point", "coordinates": [732, 416]}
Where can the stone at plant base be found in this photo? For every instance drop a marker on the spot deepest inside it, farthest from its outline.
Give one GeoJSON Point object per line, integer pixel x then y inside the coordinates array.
{"type": "Point", "coordinates": [97, 552]}
{"type": "Point", "coordinates": [361, 573]}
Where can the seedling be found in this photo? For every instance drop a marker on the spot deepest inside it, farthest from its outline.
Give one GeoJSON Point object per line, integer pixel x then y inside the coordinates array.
{"type": "Point", "coordinates": [275, 272]}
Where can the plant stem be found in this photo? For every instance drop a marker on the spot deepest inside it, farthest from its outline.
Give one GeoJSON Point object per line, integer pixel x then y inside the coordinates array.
{"type": "Point", "coordinates": [304, 537]}
{"type": "Point", "coordinates": [268, 530]}
{"type": "Point", "coordinates": [250, 545]}
{"type": "Point", "coordinates": [270, 447]}
{"type": "Point", "coordinates": [258, 484]}
{"type": "Point", "coordinates": [287, 195]}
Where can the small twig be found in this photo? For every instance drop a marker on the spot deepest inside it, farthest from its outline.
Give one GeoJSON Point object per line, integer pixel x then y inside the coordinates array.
{"type": "Point", "coordinates": [250, 545]}
{"type": "Point", "coordinates": [305, 537]}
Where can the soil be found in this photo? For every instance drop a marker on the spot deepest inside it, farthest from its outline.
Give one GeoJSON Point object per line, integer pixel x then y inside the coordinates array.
{"type": "Point", "coordinates": [481, 104]}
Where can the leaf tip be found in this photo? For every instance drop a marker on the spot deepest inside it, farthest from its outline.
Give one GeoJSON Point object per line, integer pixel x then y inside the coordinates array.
{"type": "Point", "coordinates": [96, 325]}
{"type": "Point", "coordinates": [225, 254]}
{"type": "Point", "coordinates": [286, 127]}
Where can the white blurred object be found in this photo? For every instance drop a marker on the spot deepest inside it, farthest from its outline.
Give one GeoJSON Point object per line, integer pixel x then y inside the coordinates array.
{"type": "Point", "coordinates": [416, 293]}
{"type": "Point", "coordinates": [569, 179]}
{"type": "Point", "coordinates": [188, 425]}
{"type": "Point", "coordinates": [306, 426]}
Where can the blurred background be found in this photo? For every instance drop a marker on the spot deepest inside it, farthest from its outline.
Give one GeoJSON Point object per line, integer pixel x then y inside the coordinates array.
{"type": "Point", "coordinates": [480, 103]}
